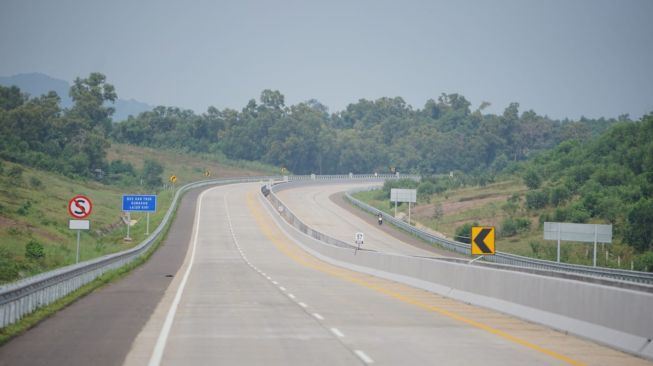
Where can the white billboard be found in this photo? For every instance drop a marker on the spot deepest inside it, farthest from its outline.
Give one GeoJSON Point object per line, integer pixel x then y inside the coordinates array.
{"type": "Point", "coordinates": [578, 232]}
{"type": "Point", "coordinates": [403, 195]}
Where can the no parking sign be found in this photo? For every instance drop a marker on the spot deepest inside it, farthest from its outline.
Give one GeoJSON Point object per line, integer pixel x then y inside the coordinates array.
{"type": "Point", "coordinates": [80, 207]}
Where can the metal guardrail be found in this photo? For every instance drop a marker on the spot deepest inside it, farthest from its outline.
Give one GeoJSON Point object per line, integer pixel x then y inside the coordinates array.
{"type": "Point", "coordinates": [22, 297]}
{"type": "Point", "coordinates": [506, 258]}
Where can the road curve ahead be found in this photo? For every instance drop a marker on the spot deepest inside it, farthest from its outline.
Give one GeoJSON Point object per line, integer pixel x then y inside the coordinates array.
{"type": "Point", "coordinates": [313, 204]}
{"type": "Point", "coordinates": [249, 295]}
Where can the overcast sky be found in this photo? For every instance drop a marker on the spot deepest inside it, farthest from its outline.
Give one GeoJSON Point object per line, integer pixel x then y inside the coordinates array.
{"type": "Point", "coordinates": [563, 58]}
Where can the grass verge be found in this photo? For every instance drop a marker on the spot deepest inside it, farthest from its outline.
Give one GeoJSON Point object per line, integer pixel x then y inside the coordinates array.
{"type": "Point", "coordinates": [27, 322]}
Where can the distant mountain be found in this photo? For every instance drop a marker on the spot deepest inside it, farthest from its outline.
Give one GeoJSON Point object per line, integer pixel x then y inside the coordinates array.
{"type": "Point", "coordinates": [36, 84]}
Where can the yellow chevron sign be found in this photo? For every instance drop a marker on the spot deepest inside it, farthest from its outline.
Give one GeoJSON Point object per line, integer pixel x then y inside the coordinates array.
{"type": "Point", "coordinates": [482, 240]}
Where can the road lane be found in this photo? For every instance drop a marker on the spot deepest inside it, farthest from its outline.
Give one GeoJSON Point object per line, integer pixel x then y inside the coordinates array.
{"type": "Point", "coordinates": [255, 297]}
{"type": "Point", "coordinates": [313, 205]}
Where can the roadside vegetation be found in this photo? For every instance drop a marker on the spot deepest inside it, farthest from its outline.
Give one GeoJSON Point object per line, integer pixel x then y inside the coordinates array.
{"type": "Point", "coordinates": [608, 180]}
{"type": "Point", "coordinates": [514, 170]}
{"type": "Point", "coordinates": [48, 155]}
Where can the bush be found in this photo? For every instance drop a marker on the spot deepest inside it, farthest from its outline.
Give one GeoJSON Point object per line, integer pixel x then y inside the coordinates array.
{"type": "Point", "coordinates": [24, 209]}
{"type": "Point", "coordinates": [438, 212]}
{"type": "Point", "coordinates": [152, 171]}
{"type": "Point", "coordinates": [510, 226]}
{"type": "Point", "coordinates": [640, 230]}
{"type": "Point", "coordinates": [8, 267]}
{"type": "Point", "coordinates": [645, 262]}
{"type": "Point", "coordinates": [559, 195]}
{"type": "Point", "coordinates": [399, 183]}
{"type": "Point", "coordinates": [426, 189]}
{"type": "Point", "coordinates": [575, 213]}
{"type": "Point", "coordinates": [536, 199]}
{"type": "Point", "coordinates": [535, 247]}
{"type": "Point", "coordinates": [34, 250]}
{"type": "Point", "coordinates": [464, 232]}
{"type": "Point", "coordinates": [532, 179]}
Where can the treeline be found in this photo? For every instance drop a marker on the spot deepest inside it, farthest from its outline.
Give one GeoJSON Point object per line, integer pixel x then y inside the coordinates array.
{"type": "Point", "coordinates": [381, 135]}
{"type": "Point", "coordinates": [38, 132]}
{"type": "Point", "coordinates": [609, 179]}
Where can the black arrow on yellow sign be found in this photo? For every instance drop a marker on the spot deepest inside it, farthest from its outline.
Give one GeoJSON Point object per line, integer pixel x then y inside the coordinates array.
{"type": "Point", "coordinates": [482, 240]}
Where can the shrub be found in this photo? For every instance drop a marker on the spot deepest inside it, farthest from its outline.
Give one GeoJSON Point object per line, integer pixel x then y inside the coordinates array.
{"type": "Point", "coordinates": [559, 195]}
{"type": "Point", "coordinates": [535, 246]}
{"type": "Point", "coordinates": [536, 199]}
{"type": "Point", "coordinates": [426, 189]}
{"type": "Point", "coordinates": [464, 232]}
{"type": "Point", "coordinates": [24, 209]}
{"type": "Point", "coordinates": [8, 267]}
{"type": "Point", "coordinates": [34, 250]}
{"type": "Point", "coordinates": [510, 226]}
{"type": "Point", "coordinates": [438, 211]}
{"type": "Point", "coordinates": [532, 179]}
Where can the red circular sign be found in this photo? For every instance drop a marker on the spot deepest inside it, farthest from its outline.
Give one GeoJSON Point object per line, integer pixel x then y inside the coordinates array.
{"type": "Point", "coordinates": [79, 207]}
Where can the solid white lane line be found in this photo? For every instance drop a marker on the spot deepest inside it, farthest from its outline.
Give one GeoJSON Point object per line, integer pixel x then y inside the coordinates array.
{"type": "Point", "coordinates": [159, 347]}
{"type": "Point", "coordinates": [337, 332]}
{"type": "Point", "coordinates": [291, 296]}
{"type": "Point", "coordinates": [363, 356]}
{"type": "Point", "coordinates": [303, 305]}
{"type": "Point", "coordinates": [318, 316]}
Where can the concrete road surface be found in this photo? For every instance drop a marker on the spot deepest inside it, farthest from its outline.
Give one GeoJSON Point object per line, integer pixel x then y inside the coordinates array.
{"type": "Point", "coordinates": [313, 205]}
{"type": "Point", "coordinates": [249, 295]}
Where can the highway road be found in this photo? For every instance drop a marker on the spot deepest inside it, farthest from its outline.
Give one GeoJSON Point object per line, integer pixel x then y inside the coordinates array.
{"type": "Point", "coordinates": [246, 293]}
{"type": "Point", "coordinates": [249, 295]}
{"type": "Point", "coordinates": [315, 207]}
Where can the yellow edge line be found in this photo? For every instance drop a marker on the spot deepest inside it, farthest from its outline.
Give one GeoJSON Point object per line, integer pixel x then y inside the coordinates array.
{"type": "Point", "coordinates": [276, 238]}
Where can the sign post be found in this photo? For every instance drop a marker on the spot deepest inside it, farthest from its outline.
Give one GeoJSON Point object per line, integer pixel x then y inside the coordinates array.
{"type": "Point", "coordinates": [138, 203]}
{"type": "Point", "coordinates": [79, 207]}
{"type": "Point", "coordinates": [590, 233]}
{"type": "Point", "coordinates": [358, 239]}
{"type": "Point", "coordinates": [403, 195]}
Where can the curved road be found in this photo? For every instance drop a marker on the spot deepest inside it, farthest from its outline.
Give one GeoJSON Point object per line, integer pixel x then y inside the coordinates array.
{"type": "Point", "coordinates": [312, 203]}
{"type": "Point", "coordinates": [247, 294]}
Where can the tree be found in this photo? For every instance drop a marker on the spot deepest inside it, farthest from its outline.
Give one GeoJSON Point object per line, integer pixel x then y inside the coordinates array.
{"type": "Point", "coordinates": [152, 171]}
{"type": "Point", "coordinates": [11, 97]}
{"type": "Point", "coordinates": [640, 230]}
{"type": "Point", "coordinates": [89, 96]}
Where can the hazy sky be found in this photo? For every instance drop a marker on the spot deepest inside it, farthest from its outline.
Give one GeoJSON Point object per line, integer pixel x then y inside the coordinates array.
{"type": "Point", "coordinates": [563, 58]}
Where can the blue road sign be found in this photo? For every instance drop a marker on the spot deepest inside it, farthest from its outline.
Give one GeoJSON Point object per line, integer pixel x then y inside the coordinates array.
{"type": "Point", "coordinates": [139, 203]}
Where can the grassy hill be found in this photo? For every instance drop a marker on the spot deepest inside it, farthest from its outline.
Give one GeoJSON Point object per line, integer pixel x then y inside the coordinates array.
{"type": "Point", "coordinates": [33, 208]}
{"type": "Point", "coordinates": [493, 205]}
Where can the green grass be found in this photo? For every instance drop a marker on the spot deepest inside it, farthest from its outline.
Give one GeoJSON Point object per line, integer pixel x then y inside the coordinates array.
{"type": "Point", "coordinates": [189, 167]}
{"type": "Point", "coordinates": [30, 320]}
{"type": "Point", "coordinates": [492, 213]}
{"type": "Point", "coordinates": [33, 207]}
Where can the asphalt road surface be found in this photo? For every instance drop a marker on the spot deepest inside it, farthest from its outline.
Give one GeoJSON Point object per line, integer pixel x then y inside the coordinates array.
{"type": "Point", "coordinates": [247, 294]}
